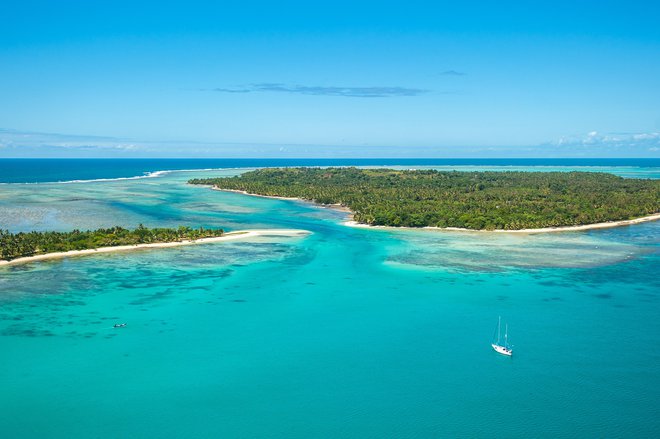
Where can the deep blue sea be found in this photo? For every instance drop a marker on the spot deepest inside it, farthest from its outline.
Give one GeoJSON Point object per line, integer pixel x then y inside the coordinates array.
{"type": "Point", "coordinates": [59, 170]}
{"type": "Point", "coordinates": [343, 333]}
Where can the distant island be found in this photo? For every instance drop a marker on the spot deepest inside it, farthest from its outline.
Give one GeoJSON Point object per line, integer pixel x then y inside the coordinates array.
{"type": "Point", "coordinates": [466, 200]}
{"type": "Point", "coordinates": [21, 245]}
{"type": "Point", "coordinates": [17, 248]}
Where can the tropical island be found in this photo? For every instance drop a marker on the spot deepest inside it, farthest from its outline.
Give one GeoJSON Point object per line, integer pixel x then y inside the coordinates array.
{"type": "Point", "coordinates": [466, 200]}
{"type": "Point", "coordinates": [21, 245]}
{"type": "Point", "coordinates": [16, 248]}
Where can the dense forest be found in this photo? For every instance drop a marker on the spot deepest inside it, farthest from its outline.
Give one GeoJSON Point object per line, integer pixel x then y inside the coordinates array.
{"type": "Point", "coordinates": [473, 200]}
{"type": "Point", "coordinates": [17, 245]}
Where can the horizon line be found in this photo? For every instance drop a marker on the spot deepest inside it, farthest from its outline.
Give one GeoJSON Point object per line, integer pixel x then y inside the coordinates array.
{"type": "Point", "coordinates": [330, 158]}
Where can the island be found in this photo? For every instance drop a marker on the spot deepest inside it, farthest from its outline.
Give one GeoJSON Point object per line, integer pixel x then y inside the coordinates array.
{"type": "Point", "coordinates": [507, 201]}
{"type": "Point", "coordinates": [24, 247]}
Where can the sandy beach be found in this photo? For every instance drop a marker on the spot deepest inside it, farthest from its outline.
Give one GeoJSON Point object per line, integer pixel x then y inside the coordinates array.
{"type": "Point", "coordinates": [606, 225]}
{"type": "Point", "coordinates": [230, 236]}
{"type": "Point", "coordinates": [257, 195]}
{"type": "Point", "coordinates": [335, 206]}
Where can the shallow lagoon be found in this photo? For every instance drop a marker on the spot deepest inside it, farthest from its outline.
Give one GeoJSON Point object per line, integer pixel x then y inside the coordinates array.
{"type": "Point", "coordinates": [345, 333]}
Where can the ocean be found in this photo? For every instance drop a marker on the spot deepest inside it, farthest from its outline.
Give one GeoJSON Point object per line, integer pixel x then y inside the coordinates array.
{"type": "Point", "coordinates": [62, 170]}
{"type": "Point", "coordinates": [345, 333]}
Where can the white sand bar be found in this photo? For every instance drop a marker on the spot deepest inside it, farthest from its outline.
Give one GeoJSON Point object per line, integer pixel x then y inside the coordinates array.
{"type": "Point", "coordinates": [230, 236]}
{"type": "Point", "coordinates": [606, 225]}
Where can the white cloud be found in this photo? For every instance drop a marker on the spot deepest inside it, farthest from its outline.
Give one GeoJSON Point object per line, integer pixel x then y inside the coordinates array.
{"type": "Point", "coordinates": [28, 144]}
{"type": "Point", "coordinates": [595, 144]}
{"type": "Point", "coordinates": [612, 139]}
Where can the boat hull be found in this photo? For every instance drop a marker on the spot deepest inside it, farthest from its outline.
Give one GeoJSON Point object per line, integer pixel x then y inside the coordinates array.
{"type": "Point", "coordinates": [502, 350]}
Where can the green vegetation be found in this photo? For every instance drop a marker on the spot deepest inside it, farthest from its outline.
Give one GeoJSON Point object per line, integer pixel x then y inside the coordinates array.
{"type": "Point", "coordinates": [17, 245]}
{"type": "Point", "coordinates": [473, 200]}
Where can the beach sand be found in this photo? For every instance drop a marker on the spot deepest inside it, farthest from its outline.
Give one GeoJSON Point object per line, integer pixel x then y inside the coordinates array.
{"type": "Point", "coordinates": [336, 206]}
{"type": "Point", "coordinates": [606, 225]}
{"type": "Point", "coordinates": [257, 195]}
{"type": "Point", "coordinates": [230, 236]}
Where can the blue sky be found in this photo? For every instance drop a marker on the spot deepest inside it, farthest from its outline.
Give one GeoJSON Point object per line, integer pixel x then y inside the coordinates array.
{"type": "Point", "coordinates": [330, 79]}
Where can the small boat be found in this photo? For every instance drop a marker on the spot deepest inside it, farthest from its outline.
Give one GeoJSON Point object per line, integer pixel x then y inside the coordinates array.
{"type": "Point", "coordinates": [504, 349]}
{"type": "Point", "coordinates": [120, 325]}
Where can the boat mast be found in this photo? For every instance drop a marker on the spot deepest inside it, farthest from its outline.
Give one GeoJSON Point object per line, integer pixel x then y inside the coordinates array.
{"type": "Point", "coordinates": [506, 336]}
{"type": "Point", "coordinates": [499, 319]}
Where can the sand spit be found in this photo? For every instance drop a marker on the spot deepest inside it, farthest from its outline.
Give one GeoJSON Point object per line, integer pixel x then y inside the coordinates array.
{"type": "Point", "coordinates": [606, 225]}
{"type": "Point", "coordinates": [230, 236]}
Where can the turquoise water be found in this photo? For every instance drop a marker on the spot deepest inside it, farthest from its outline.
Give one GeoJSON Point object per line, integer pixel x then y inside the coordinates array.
{"type": "Point", "coordinates": [344, 333]}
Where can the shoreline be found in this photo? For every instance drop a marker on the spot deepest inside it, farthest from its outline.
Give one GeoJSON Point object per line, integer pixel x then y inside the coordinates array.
{"type": "Point", "coordinates": [335, 206]}
{"type": "Point", "coordinates": [352, 223]}
{"type": "Point", "coordinates": [275, 197]}
{"type": "Point", "coordinates": [229, 236]}
{"type": "Point", "coordinates": [606, 225]}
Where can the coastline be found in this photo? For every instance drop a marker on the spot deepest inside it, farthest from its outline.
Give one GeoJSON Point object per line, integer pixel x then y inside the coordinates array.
{"type": "Point", "coordinates": [275, 197]}
{"type": "Point", "coordinates": [336, 206]}
{"type": "Point", "coordinates": [351, 223]}
{"type": "Point", "coordinates": [607, 225]}
{"type": "Point", "coordinates": [229, 236]}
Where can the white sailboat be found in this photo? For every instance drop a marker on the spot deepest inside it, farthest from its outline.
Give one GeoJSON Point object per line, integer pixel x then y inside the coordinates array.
{"type": "Point", "coordinates": [503, 349]}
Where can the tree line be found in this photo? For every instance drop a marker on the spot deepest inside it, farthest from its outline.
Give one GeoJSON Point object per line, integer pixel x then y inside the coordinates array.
{"type": "Point", "coordinates": [473, 200]}
{"type": "Point", "coordinates": [17, 245]}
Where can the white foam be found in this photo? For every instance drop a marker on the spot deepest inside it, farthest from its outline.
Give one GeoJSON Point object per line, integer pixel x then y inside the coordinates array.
{"type": "Point", "coordinates": [153, 174]}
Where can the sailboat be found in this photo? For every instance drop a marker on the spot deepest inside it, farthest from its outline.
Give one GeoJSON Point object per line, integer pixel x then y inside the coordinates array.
{"type": "Point", "coordinates": [503, 349]}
